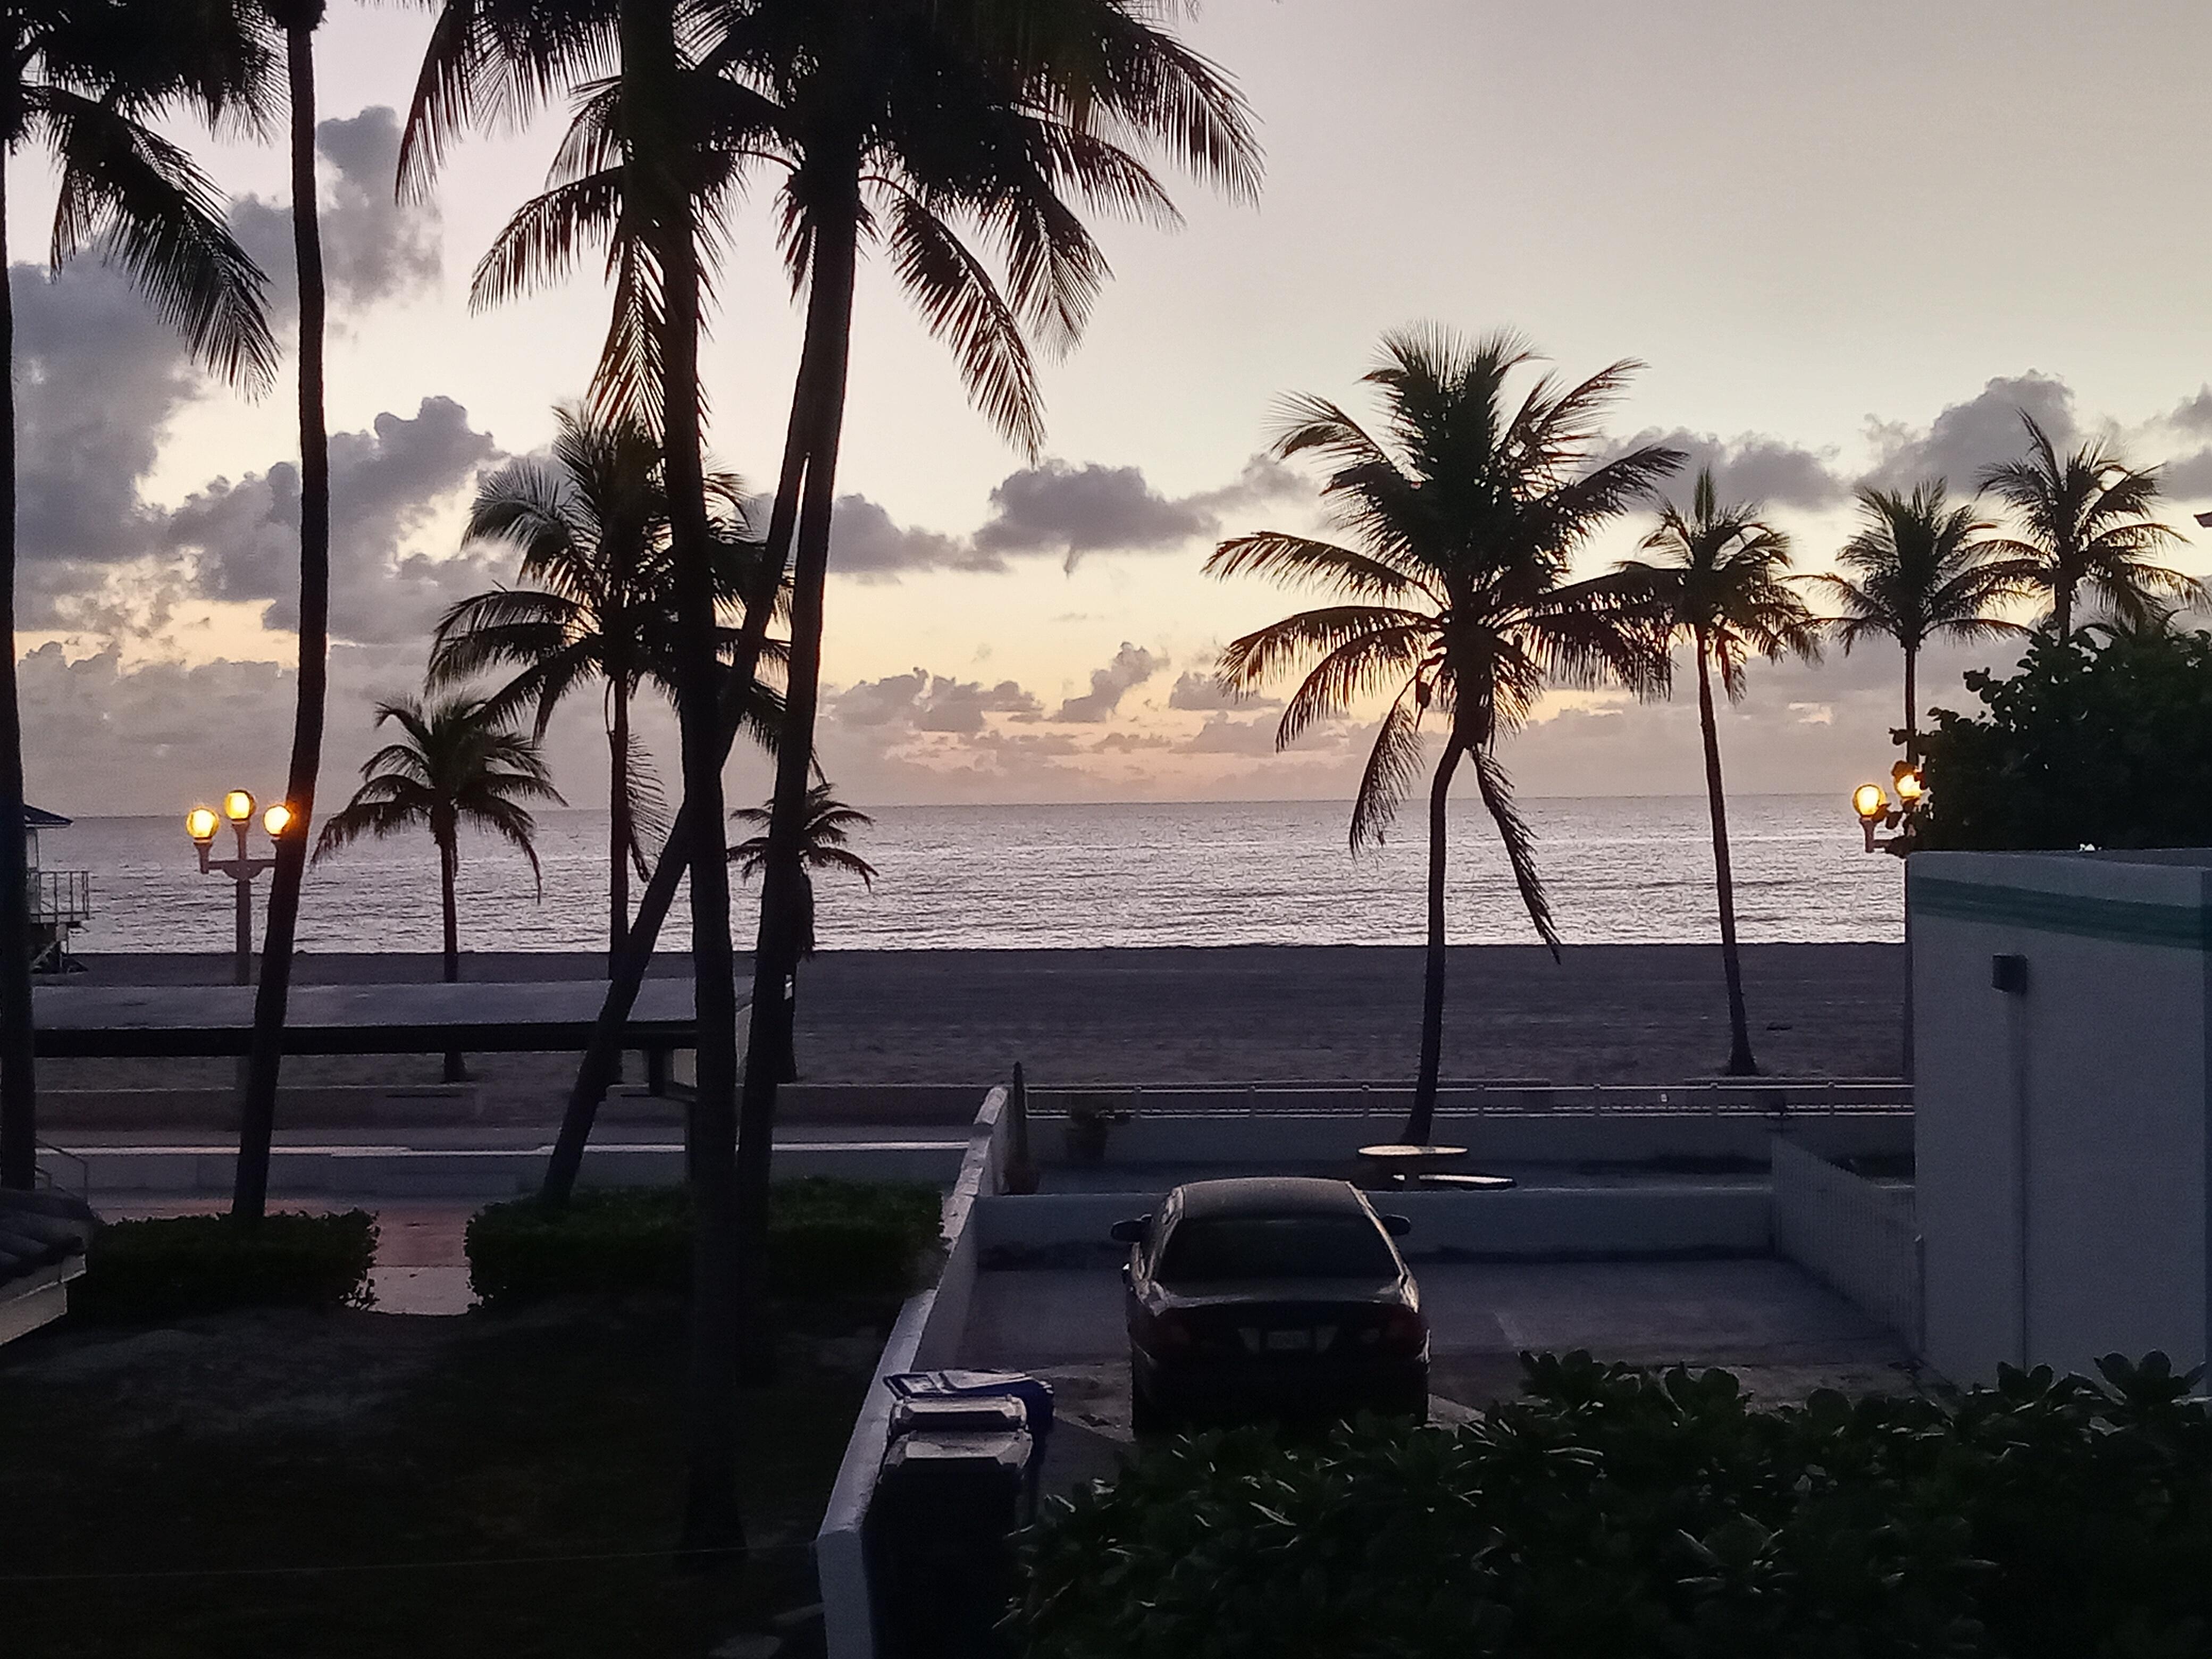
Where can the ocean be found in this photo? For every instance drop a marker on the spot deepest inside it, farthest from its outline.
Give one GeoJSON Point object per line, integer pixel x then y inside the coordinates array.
{"type": "Point", "coordinates": [1619, 870]}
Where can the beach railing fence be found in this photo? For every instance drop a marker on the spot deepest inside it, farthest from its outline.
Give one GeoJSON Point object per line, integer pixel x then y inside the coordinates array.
{"type": "Point", "coordinates": [1766, 1097]}
{"type": "Point", "coordinates": [1859, 1237]}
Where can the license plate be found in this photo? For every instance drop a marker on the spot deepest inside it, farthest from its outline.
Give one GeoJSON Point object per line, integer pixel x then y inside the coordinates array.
{"type": "Point", "coordinates": [1300, 1341]}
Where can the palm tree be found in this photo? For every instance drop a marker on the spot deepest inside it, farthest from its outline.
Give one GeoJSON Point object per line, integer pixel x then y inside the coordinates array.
{"type": "Point", "coordinates": [86, 85]}
{"type": "Point", "coordinates": [2086, 527]}
{"type": "Point", "coordinates": [593, 531]}
{"type": "Point", "coordinates": [1919, 570]}
{"type": "Point", "coordinates": [297, 21]}
{"type": "Point", "coordinates": [825, 846]}
{"type": "Point", "coordinates": [1468, 514]}
{"type": "Point", "coordinates": [457, 763]}
{"type": "Point", "coordinates": [1722, 585]}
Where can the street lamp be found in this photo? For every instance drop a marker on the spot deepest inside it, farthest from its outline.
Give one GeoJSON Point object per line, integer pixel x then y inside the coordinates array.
{"type": "Point", "coordinates": [201, 824]}
{"type": "Point", "coordinates": [1877, 811]}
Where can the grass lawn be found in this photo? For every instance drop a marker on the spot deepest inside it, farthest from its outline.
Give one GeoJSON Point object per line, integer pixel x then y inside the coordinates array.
{"type": "Point", "coordinates": [412, 1476]}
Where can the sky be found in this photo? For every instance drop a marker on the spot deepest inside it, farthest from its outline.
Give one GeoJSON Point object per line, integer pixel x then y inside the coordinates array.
{"type": "Point", "coordinates": [1850, 243]}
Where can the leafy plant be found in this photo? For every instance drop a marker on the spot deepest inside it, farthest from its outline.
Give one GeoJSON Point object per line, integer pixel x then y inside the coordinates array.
{"type": "Point", "coordinates": [2103, 739]}
{"type": "Point", "coordinates": [1613, 1511]}
{"type": "Point", "coordinates": [198, 1264]}
{"type": "Point", "coordinates": [827, 1239]}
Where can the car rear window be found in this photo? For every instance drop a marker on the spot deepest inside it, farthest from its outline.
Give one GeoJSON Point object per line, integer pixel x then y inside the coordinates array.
{"type": "Point", "coordinates": [1277, 1247]}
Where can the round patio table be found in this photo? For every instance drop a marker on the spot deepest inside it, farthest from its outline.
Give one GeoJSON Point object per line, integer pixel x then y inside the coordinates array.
{"type": "Point", "coordinates": [1405, 1166]}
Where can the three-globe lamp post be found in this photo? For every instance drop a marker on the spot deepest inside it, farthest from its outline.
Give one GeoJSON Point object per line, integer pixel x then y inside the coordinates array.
{"type": "Point", "coordinates": [1877, 812]}
{"type": "Point", "coordinates": [201, 824]}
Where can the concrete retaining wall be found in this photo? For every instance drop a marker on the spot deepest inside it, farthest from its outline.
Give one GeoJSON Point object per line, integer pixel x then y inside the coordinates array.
{"type": "Point", "coordinates": [925, 1337]}
{"type": "Point", "coordinates": [1526, 1223]}
{"type": "Point", "coordinates": [1858, 1238]}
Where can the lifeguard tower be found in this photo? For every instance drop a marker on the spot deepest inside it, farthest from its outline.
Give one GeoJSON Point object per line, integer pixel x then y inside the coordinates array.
{"type": "Point", "coordinates": [60, 900]}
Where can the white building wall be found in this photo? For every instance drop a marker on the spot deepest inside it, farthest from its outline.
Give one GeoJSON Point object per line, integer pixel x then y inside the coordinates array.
{"type": "Point", "coordinates": [2061, 1129]}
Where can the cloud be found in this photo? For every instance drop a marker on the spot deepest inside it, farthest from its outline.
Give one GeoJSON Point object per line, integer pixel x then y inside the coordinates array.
{"type": "Point", "coordinates": [865, 542]}
{"type": "Point", "coordinates": [1967, 437]}
{"type": "Point", "coordinates": [922, 702]}
{"type": "Point", "coordinates": [1131, 667]}
{"type": "Point", "coordinates": [1057, 509]}
{"type": "Point", "coordinates": [242, 539]}
{"type": "Point", "coordinates": [1751, 467]}
{"type": "Point", "coordinates": [374, 247]}
{"type": "Point", "coordinates": [1222, 735]}
{"type": "Point", "coordinates": [1201, 693]}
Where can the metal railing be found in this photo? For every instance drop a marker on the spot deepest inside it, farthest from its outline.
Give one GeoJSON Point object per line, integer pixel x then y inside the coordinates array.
{"type": "Point", "coordinates": [58, 898]}
{"type": "Point", "coordinates": [44, 1169]}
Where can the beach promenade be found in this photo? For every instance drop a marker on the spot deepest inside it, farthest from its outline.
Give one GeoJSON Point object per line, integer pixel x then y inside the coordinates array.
{"type": "Point", "coordinates": [1605, 1014]}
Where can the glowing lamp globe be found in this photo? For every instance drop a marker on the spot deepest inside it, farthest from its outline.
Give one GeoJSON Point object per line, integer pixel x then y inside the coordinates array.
{"type": "Point", "coordinates": [238, 805]}
{"type": "Point", "coordinates": [1869, 801]}
{"type": "Point", "coordinates": [1910, 789]}
{"type": "Point", "coordinates": [276, 820]}
{"type": "Point", "coordinates": [200, 824]}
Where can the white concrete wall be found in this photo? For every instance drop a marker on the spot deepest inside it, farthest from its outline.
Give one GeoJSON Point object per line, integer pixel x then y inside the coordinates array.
{"type": "Point", "coordinates": [2061, 1166]}
{"type": "Point", "coordinates": [927, 1336]}
{"type": "Point", "coordinates": [1858, 1236]}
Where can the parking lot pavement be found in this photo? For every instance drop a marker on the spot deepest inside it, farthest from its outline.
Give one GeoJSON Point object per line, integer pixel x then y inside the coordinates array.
{"type": "Point", "coordinates": [1782, 1333]}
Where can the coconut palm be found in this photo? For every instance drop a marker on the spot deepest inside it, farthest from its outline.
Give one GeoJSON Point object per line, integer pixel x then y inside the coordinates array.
{"type": "Point", "coordinates": [456, 764]}
{"type": "Point", "coordinates": [295, 22]}
{"type": "Point", "coordinates": [2085, 529]}
{"type": "Point", "coordinates": [1722, 585]}
{"type": "Point", "coordinates": [598, 606]}
{"type": "Point", "coordinates": [86, 84]}
{"type": "Point", "coordinates": [1458, 599]}
{"type": "Point", "coordinates": [1917, 570]}
{"type": "Point", "coordinates": [825, 840]}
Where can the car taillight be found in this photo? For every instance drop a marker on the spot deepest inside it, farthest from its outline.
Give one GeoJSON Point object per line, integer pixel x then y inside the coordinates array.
{"type": "Point", "coordinates": [1171, 1333]}
{"type": "Point", "coordinates": [1404, 1331]}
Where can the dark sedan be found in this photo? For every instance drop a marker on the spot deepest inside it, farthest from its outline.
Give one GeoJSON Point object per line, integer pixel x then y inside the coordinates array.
{"type": "Point", "coordinates": [1270, 1297]}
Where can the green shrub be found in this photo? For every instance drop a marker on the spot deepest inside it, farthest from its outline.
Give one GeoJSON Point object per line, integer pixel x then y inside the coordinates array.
{"type": "Point", "coordinates": [1621, 1514]}
{"type": "Point", "coordinates": [827, 1240]}
{"type": "Point", "coordinates": [195, 1264]}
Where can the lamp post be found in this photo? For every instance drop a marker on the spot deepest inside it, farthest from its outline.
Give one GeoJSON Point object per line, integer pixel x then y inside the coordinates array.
{"type": "Point", "coordinates": [1877, 811]}
{"type": "Point", "coordinates": [201, 824]}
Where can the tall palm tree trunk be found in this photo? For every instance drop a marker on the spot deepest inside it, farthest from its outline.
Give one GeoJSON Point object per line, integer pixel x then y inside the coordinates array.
{"type": "Point", "coordinates": [1740, 1062]}
{"type": "Point", "coordinates": [264, 1060]}
{"type": "Point", "coordinates": [602, 1059]}
{"type": "Point", "coordinates": [449, 869]}
{"type": "Point", "coordinates": [619, 828]}
{"type": "Point", "coordinates": [655, 179]}
{"type": "Point", "coordinates": [775, 951]}
{"type": "Point", "coordinates": [1911, 704]}
{"type": "Point", "coordinates": [18, 1089]}
{"type": "Point", "coordinates": [1421, 1124]}
{"type": "Point", "coordinates": [2061, 606]}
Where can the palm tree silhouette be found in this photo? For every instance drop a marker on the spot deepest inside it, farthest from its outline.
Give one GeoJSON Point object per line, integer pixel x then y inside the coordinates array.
{"type": "Point", "coordinates": [86, 86]}
{"type": "Point", "coordinates": [2085, 527]}
{"type": "Point", "coordinates": [1919, 570]}
{"type": "Point", "coordinates": [1722, 585]}
{"type": "Point", "coordinates": [825, 840]}
{"type": "Point", "coordinates": [295, 21]}
{"type": "Point", "coordinates": [1469, 513]}
{"type": "Point", "coordinates": [593, 531]}
{"type": "Point", "coordinates": [456, 763]}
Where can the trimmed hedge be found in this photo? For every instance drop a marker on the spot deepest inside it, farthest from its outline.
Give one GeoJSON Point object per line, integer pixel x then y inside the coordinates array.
{"type": "Point", "coordinates": [196, 1264]}
{"type": "Point", "coordinates": [1617, 1513]}
{"type": "Point", "coordinates": [827, 1239]}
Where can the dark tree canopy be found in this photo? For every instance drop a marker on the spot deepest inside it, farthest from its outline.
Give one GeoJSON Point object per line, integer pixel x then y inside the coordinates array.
{"type": "Point", "coordinates": [2097, 741]}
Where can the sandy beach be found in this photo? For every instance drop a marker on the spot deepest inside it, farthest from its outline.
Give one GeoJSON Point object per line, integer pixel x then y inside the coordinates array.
{"type": "Point", "coordinates": [1603, 1014]}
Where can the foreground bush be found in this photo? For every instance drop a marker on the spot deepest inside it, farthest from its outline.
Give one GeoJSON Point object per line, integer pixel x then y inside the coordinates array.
{"type": "Point", "coordinates": [1616, 1514]}
{"type": "Point", "coordinates": [827, 1239]}
{"type": "Point", "coordinates": [198, 1264]}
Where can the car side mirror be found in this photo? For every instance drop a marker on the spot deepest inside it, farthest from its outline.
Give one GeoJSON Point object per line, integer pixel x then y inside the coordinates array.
{"type": "Point", "coordinates": [1396, 1226]}
{"type": "Point", "coordinates": [1131, 1232]}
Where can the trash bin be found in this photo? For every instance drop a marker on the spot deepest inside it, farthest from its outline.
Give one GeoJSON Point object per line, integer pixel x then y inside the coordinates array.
{"type": "Point", "coordinates": [938, 1537]}
{"type": "Point", "coordinates": [1033, 1392]}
